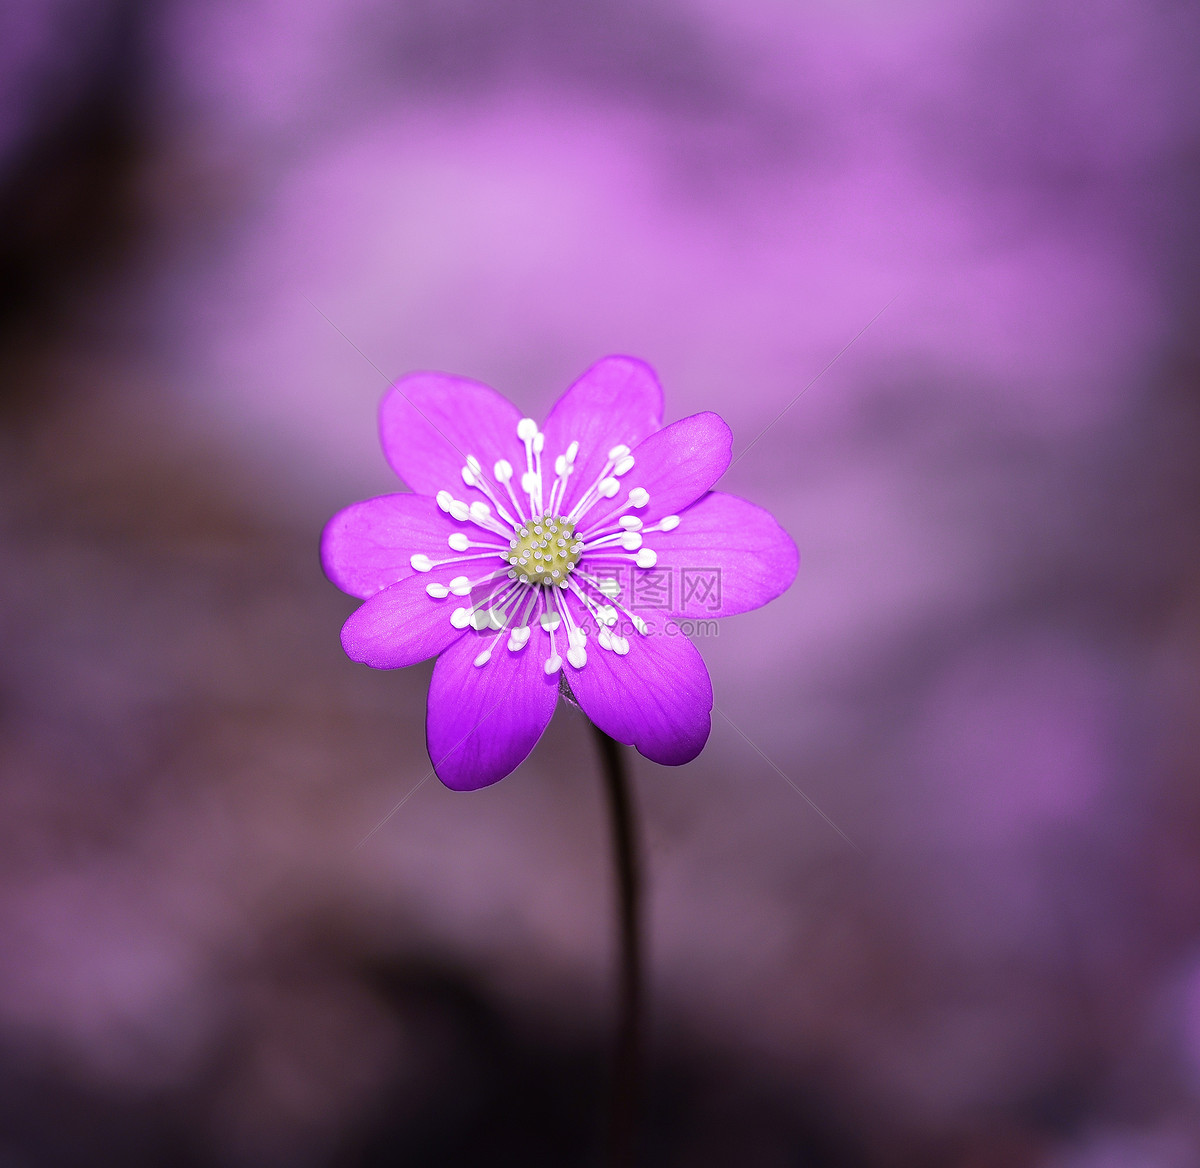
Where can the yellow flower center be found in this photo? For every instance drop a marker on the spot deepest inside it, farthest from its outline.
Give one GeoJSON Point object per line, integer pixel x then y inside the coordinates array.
{"type": "Point", "coordinates": [544, 551]}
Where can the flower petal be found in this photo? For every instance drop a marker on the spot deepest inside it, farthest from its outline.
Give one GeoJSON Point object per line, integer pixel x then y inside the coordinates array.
{"type": "Point", "coordinates": [483, 720]}
{"type": "Point", "coordinates": [618, 401]}
{"type": "Point", "coordinates": [675, 466]}
{"type": "Point", "coordinates": [403, 624]}
{"type": "Point", "coordinates": [430, 422]}
{"type": "Point", "coordinates": [366, 547]}
{"type": "Point", "coordinates": [658, 697]}
{"type": "Point", "coordinates": [726, 556]}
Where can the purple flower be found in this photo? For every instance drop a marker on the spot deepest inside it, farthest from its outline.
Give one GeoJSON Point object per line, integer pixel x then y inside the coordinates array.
{"type": "Point", "coordinates": [591, 542]}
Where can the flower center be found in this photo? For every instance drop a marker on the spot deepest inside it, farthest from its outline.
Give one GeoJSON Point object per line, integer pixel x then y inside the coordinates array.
{"type": "Point", "coordinates": [544, 550]}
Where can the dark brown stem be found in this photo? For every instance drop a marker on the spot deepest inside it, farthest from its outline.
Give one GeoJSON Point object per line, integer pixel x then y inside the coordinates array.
{"type": "Point", "coordinates": [628, 1054]}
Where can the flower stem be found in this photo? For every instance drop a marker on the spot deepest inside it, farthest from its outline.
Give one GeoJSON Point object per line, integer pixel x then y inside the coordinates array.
{"type": "Point", "coordinates": [628, 1054]}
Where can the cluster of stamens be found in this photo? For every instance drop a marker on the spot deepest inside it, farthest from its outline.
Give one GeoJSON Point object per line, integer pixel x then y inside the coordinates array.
{"type": "Point", "coordinates": [541, 550]}
{"type": "Point", "coordinates": [544, 551]}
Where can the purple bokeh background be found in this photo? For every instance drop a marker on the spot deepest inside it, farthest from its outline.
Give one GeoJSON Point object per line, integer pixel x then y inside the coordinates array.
{"type": "Point", "coordinates": [931, 895]}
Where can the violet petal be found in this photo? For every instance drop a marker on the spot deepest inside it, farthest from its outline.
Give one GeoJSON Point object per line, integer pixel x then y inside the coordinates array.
{"type": "Point", "coordinates": [618, 401]}
{"type": "Point", "coordinates": [753, 558]}
{"type": "Point", "coordinates": [431, 422]}
{"type": "Point", "coordinates": [658, 697]}
{"type": "Point", "coordinates": [367, 546]}
{"type": "Point", "coordinates": [483, 720]}
{"type": "Point", "coordinates": [403, 624]}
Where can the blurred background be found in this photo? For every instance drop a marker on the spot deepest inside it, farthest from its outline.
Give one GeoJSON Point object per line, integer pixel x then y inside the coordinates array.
{"type": "Point", "coordinates": [931, 895]}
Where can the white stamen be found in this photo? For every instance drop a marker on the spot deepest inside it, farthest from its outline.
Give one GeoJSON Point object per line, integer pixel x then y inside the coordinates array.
{"type": "Point", "coordinates": [550, 621]}
{"type": "Point", "coordinates": [577, 656]}
{"type": "Point", "coordinates": [630, 522]}
{"type": "Point", "coordinates": [637, 621]}
{"type": "Point", "coordinates": [421, 563]}
{"type": "Point", "coordinates": [483, 657]}
{"type": "Point", "coordinates": [639, 496]}
{"type": "Point", "coordinates": [526, 429]}
{"type": "Point", "coordinates": [460, 585]}
{"type": "Point", "coordinates": [474, 464]}
{"type": "Point", "coordinates": [437, 590]}
{"type": "Point", "coordinates": [560, 465]}
{"type": "Point", "coordinates": [529, 481]}
{"type": "Point", "coordinates": [606, 614]}
{"type": "Point", "coordinates": [624, 466]}
{"type": "Point", "coordinates": [553, 664]}
{"type": "Point", "coordinates": [444, 499]}
{"type": "Point", "coordinates": [646, 558]}
{"type": "Point", "coordinates": [608, 487]}
{"type": "Point", "coordinates": [480, 511]}
{"type": "Point", "coordinates": [502, 471]}
{"type": "Point", "coordinates": [468, 476]}
{"type": "Point", "coordinates": [631, 541]}
{"type": "Point", "coordinates": [572, 451]}
{"type": "Point", "coordinates": [459, 510]}
{"type": "Point", "coordinates": [539, 442]}
{"type": "Point", "coordinates": [620, 645]}
{"type": "Point", "coordinates": [459, 541]}
{"type": "Point", "coordinates": [460, 618]}
{"type": "Point", "coordinates": [518, 638]}
{"type": "Point", "coordinates": [668, 523]}
{"type": "Point", "coordinates": [617, 453]}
